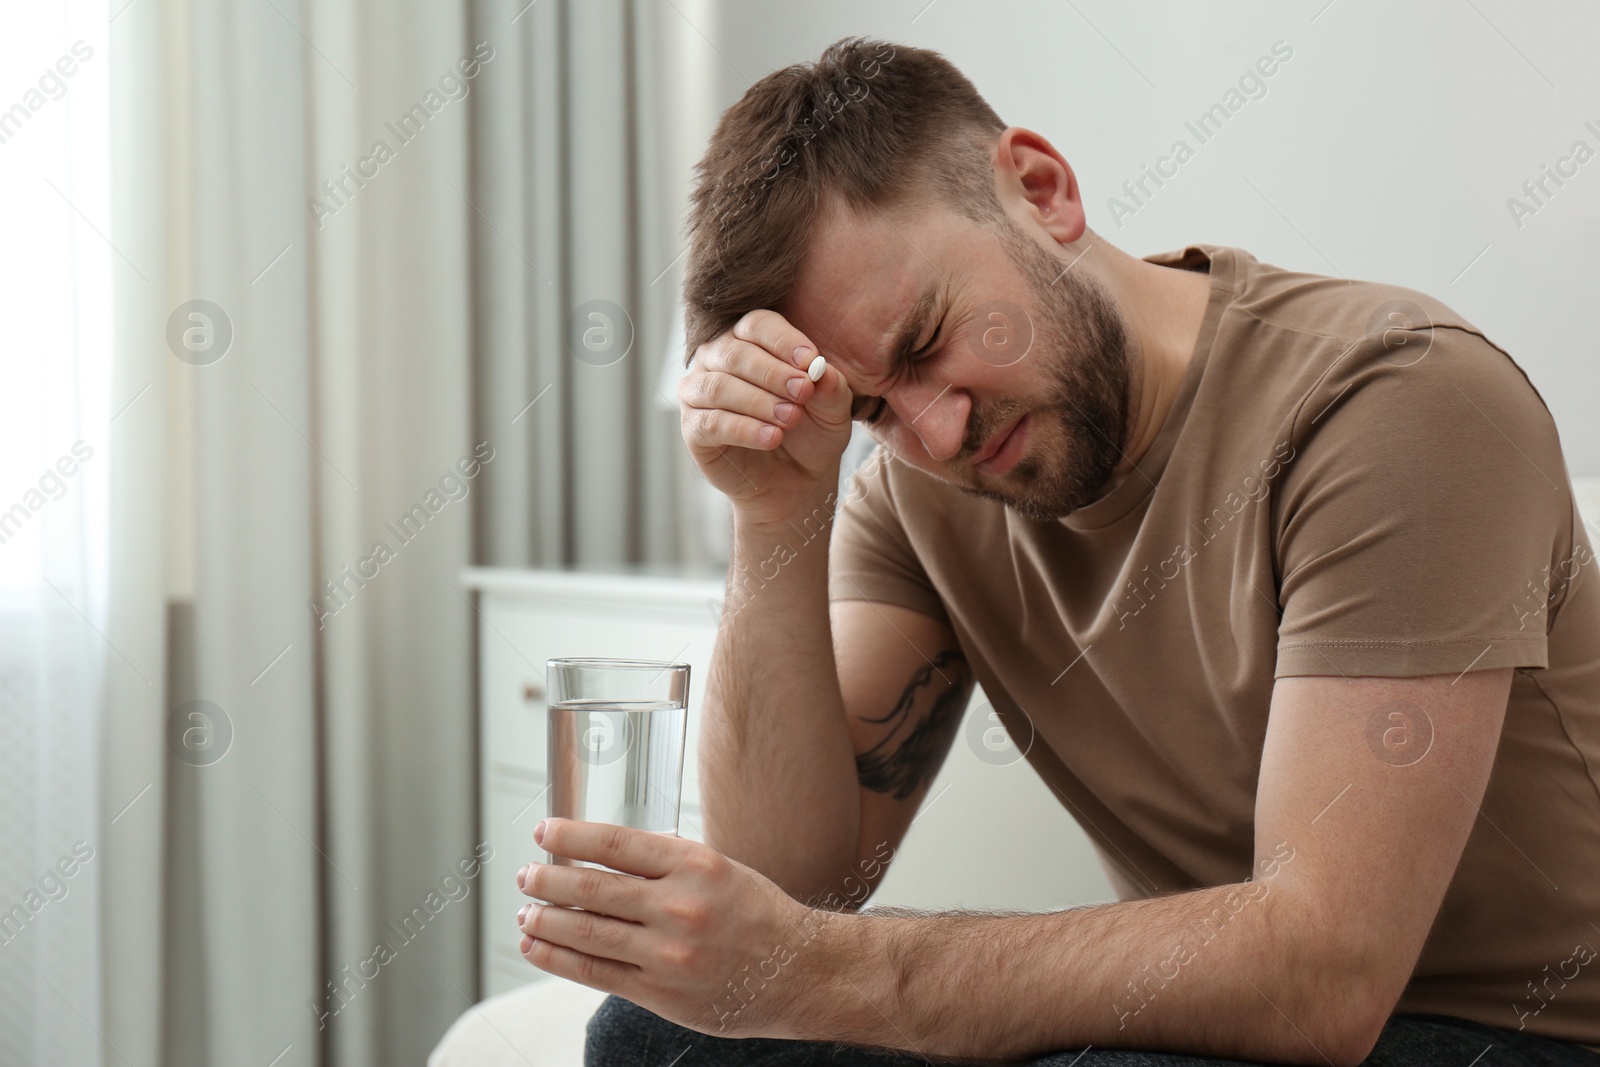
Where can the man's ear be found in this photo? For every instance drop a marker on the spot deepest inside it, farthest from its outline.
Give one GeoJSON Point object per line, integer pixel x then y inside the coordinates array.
{"type": "Point", "coordinates": [1036, 185]}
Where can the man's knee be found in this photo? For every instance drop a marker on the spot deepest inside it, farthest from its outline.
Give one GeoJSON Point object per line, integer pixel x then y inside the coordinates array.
{"type": "Point", "coordinates": [621, 1032]}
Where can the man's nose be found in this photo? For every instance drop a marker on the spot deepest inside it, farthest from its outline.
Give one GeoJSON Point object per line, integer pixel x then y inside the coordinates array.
{"type": "Point", "coordinates": [936, 413]}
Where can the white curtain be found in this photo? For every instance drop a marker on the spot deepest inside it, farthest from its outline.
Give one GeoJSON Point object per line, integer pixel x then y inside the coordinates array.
{"type": "Point", "coordinates": [394, 291]}
{"type": "Point", "coordinates": [292, 495]}
{"type": "Point", "coordinates": [55, 277]}
{"type": "Point", "coordinates": [582, 168]}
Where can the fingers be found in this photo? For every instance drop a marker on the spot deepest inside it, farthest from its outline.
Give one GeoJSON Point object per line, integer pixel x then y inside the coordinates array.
{"type": "Point", "coordinates": [719, 408]}
{"type": "Point", "coordinates": [748, 385]}
{"type": "Point", "coordinates": [778, 336]}
{"type": "Point", "coordinates": [716, 391]}
{"type": "Point", "coordinates": [584, 931]}
{"type": "Point", "coordinates": [621, 848]}
{"type": "Point", "coordinates": [753, 384]}
{"type": "Point", "coordinates": [750, 362]}
{"type": "Point", "coordinates": [712, 428]}
{"type": "Point", "coordinates": [619, 895]}
{"type": "Point", "coordinates": [830, 403]}
{"type": "Point", "coordinates": [575, 966]}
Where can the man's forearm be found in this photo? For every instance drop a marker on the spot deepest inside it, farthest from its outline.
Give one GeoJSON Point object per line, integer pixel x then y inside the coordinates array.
{"type": "Point", "coordinates": [1227, 971]}
{"type": "Point", "coordinates": [777, 768]}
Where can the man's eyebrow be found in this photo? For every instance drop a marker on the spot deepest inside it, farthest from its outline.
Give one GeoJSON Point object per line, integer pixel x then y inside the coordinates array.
{"type": "Point", "coordinates": [909, 328]}
{"type": "Point", "coordinates": [905, 332]}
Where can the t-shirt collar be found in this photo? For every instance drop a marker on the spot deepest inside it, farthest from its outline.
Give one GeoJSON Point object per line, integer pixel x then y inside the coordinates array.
{"type": "Point", "coordinates": [1140, 483]}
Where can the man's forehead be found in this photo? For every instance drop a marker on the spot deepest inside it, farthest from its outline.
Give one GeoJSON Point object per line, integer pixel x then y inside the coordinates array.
{"type": "Point", "coordinates": [858, 287]}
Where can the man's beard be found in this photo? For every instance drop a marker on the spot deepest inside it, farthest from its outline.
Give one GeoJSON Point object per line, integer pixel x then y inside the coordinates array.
{"type": "Point", "coordinates": [1078, 432]}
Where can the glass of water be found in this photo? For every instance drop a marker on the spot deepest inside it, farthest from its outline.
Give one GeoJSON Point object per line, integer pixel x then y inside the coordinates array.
{"type": "Point", "coordinates": [616, 742]}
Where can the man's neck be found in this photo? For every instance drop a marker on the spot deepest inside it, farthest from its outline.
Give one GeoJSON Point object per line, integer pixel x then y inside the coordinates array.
{"type": "Point", "coordinates": [1163, 308]}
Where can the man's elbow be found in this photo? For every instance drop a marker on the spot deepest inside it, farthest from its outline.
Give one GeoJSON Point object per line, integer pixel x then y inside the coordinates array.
{"type": "Point", "coordinates": [1353, 1014]}
{"type": "Point", "coordinates": [1342, 1032]}
{"type": "Point", "coordinates": [1352, 1042]}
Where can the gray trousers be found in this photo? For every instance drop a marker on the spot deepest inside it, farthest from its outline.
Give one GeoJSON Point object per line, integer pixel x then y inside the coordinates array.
{"type": "Point", "coordinates": [622, 1034]}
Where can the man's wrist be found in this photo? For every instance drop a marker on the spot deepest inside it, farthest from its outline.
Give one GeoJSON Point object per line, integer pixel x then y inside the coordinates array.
{"type": "Point", "coordinates": [852, 991]}
{"type": "Point", "coordinates": [816, 510]}
{"type": "Point", "coordinates": [767, 551]}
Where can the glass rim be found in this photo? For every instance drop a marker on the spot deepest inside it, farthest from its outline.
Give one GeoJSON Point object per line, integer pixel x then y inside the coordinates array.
{"type": "Point", "coordinates": [615, 664]}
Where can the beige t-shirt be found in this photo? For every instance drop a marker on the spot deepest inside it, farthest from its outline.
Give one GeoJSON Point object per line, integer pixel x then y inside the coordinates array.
{"type": "Point", "coordinates": [1327, 496]}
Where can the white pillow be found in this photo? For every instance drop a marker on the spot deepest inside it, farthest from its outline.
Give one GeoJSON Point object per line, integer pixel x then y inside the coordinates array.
{"type": "Point", "coordinates": [541, 1024]}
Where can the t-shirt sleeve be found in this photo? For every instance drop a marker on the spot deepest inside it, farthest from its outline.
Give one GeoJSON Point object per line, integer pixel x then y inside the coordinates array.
{"type": "Point", "coordinates": [1426, 504]}
{"type": "Point", "coordinates": [870, 555]}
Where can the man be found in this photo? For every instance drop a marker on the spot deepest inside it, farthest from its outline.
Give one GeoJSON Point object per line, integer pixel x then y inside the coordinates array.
{"type": "Point", "coordinates": [1282, 574]}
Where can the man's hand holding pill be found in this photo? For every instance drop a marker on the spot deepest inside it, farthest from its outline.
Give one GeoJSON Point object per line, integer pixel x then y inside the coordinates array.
{"type": "Point", "coordinates": [766, 418]}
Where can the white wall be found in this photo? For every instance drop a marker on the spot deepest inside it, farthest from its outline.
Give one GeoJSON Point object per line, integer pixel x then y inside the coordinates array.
{"type": "Point", "coordinates": [1386, 148]}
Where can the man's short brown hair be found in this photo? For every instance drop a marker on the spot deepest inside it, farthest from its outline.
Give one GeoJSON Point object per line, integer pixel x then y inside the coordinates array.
{"type": "Point", "coordinates": [874, 123]}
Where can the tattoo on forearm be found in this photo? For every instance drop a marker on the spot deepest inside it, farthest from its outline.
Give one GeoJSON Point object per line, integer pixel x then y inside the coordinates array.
{"type": "Point", "coordinates": [904, 759]}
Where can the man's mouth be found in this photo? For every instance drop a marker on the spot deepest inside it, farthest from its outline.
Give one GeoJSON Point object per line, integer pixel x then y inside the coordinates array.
{"type": "Point", "coordinates": [1004, 449]}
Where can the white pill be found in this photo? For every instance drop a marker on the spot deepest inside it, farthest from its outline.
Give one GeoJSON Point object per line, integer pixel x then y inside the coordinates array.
{"type": "Point", "coordinates": [818, 365]}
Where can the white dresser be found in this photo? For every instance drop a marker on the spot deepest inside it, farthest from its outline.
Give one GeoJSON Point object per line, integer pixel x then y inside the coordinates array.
{"type": "Point", "coordinates": [1038, 859]}
{"type": "Point", "coordinates": [527, 618]}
